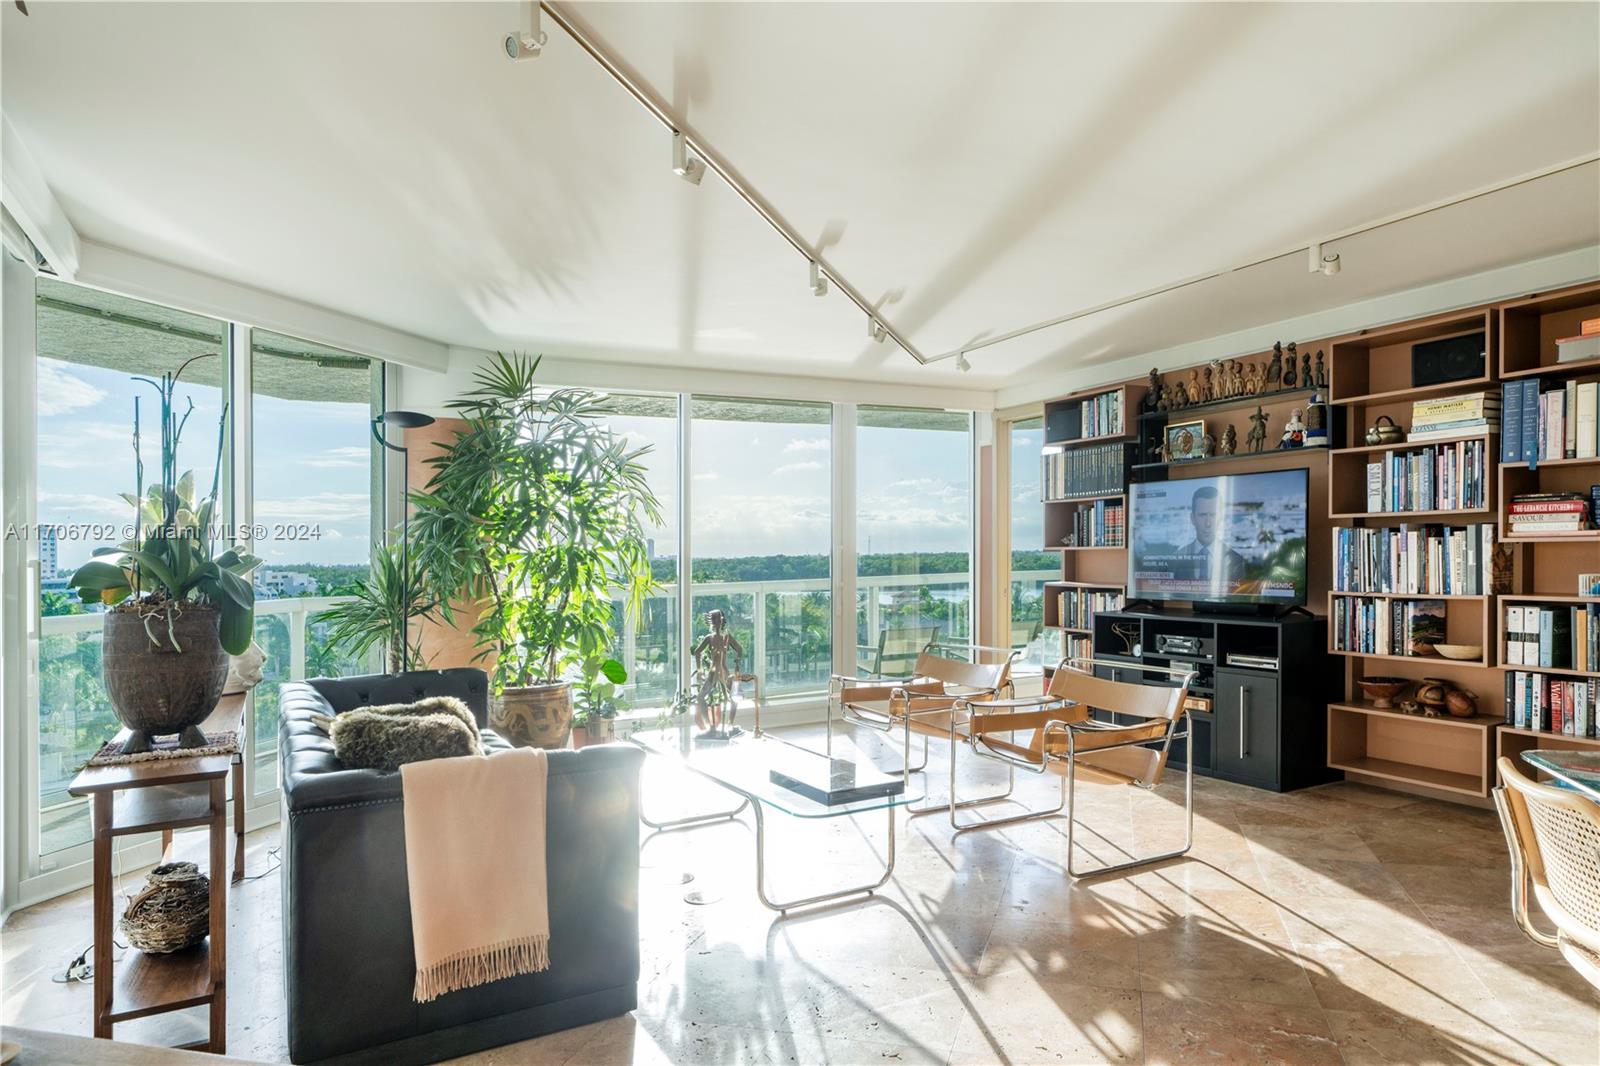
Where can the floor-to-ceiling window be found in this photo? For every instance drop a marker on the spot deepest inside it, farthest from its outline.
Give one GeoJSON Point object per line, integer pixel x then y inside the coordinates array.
{"type": "Point", "coordinates": [92, 348]}
{"type": "Point", "coordinates": [913, 534]}
{"type": "Point", "coordinates": [648, 646]}
{"type": "Point", "coordinates": [1031, 567]}
{"type": "Point", "coordinates": [760, 478]}
{"type": "Point", "coordinates": [315, 471]}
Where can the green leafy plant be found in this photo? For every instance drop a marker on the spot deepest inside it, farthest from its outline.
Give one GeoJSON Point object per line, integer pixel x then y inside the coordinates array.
{"type": "Point", "coordinates": [167, 565]}
{"type": "Point", "coordinates": [598, 690]}
{"type": "Point", "coordinates": [380, 612]}
{"type": "Point", "coordinates": [535, 513]}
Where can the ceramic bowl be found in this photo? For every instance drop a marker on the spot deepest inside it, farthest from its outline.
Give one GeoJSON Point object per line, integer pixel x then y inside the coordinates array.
{"type": "Point", "coordinates": [1460, 651]}
{"type": "Point", "coordinates": [1382, 690]}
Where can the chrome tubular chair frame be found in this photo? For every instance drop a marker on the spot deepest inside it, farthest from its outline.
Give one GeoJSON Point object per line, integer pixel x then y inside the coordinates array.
{"type": "Point", "coordinates": [1520, 885]}
{"type": "Point", "coordinates": [1180, 728]}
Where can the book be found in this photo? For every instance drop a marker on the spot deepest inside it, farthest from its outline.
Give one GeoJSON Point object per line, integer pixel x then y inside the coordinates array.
{"type": "Point", "coordinates": [1424, 625]}
{"type": "Point", "coordinates": [1586, 424]}
{"type": "Point", "coordinates": [1511, 428]}
{"type": "Point", "coordinates": [1514, 624]}
{"type": "Point", "coordinates": [1590, 326]}
{"type": "Point", "coordinates": [1589, 585]}
{"type": "Point", "coordinates": [1530, 421]}
{"type": "Point", "coordinates": [1572, 349]}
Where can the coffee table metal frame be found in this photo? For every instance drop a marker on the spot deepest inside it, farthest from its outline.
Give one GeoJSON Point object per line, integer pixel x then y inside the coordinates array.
{"type": "Point", "coordinates": [755, 803]}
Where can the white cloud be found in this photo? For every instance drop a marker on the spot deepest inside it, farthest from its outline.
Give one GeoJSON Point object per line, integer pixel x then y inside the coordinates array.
{"type": "Point", "coordinates": [323, 507]}
{"type": "Point", "coordinates": [60, 392]}
{"type": "Point", "coordinates": [709, 475]}
{"type": "Point", "coordinates": [796, 468]}
{"type": "Point", "coordinates": [808, 444]}
{"type": "Point", "coordinates": [340, 457]}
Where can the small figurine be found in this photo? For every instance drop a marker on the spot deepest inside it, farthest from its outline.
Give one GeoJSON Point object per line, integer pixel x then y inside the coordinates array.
{"type": "Point", "coordinates": [1194, 386]}
{"type": "Point", "coordinates": [1258, 430]}
{"type": "Point", "coordinates": [1230, 441]}
{"type": "Point", "coordinates": [717, 679]}
{"type": "Point", "coordinates": [1163, 453]}
{"type": "Point", "coordinates": [1176, 397]}
{"type": "Point", "coordinates": [1207, 389]}
{"type": "Point", "coordinates": [1252, 380]}
{"type": "Point", "coordinates": [1274, 368]}
{"type": "Point", "coordinates": [1152, 392]}
{"type": "Point", "coordinates": [1294, 431]}
{"type": "Point", "coordinates": [1235, 382]}
{"type": "Point", "coordinates": [1322, 373]}
{"type": "Point", "coordinates": [1289, 365]}
{"type": "Point", "coordinates": [1208, 446]}
{"type": "Point", "coordinates": [1306, 381]}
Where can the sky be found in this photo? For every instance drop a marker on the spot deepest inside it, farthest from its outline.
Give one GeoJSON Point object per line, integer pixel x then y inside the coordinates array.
{"type": "Point", "coordinates": [311, 466]}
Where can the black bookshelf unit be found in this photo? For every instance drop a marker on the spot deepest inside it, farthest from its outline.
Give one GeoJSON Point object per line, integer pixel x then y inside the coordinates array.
{"type": "Point", "coordinates": [1261, 730]}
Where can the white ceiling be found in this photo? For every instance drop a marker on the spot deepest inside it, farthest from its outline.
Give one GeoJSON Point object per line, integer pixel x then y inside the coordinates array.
{"type": "Point", "coordinates": [975, 167]}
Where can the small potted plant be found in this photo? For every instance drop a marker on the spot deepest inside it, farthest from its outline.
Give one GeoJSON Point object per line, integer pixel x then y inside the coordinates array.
{"type": "Point", "coordinates": [598, 700]}
{"type": "Point", "coordinates": [176, 611]}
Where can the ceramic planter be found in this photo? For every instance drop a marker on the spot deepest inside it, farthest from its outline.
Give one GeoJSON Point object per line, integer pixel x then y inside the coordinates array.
{"type": "Point", "coordinates": [538, 716]}
{"type": "Point", "coordinates": [156, 688]}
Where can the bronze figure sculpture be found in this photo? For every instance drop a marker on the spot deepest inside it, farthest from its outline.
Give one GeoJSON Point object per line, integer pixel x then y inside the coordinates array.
{"type": "Point", "coordinates": [1258, 430]}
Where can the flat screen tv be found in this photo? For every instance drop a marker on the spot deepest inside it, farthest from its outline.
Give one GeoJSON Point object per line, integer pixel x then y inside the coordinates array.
{"type": "Point", "coordinates": [1233, 539]}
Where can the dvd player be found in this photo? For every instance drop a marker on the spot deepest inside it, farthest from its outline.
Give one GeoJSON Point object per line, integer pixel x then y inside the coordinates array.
{"type": "Point", "coordinates": [1255, 662]}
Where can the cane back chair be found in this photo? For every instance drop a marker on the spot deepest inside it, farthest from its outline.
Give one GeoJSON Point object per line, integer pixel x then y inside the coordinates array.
{"type": "Point", "coordinates": [1061, 732]}
{"type": "Point", "coordinates": [924, 702]}
{"type": "Point", "coordinates": [1554, 838]}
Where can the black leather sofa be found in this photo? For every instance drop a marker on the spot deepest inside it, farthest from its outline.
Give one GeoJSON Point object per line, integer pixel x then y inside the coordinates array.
{"type": "Point", "coordinates": [347, 949]}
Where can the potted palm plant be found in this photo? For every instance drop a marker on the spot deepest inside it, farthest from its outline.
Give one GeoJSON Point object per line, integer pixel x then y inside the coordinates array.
{"type": "Point", "coordinates": [176, 611]}
{"type": "Point", "coordinates": [380, 612]}
{"type": "Point", "coordinates": [534, 514]}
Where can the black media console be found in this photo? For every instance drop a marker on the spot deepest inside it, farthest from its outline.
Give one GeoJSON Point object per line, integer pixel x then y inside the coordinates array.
{"type": "Point", "coordinates": [1264, 681]}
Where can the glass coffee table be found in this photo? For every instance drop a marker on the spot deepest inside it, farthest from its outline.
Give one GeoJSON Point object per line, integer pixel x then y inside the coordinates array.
{"type": "Point", "coordinates": [746, 765]}
{"type": "Point", "coordinates": [1578, 770]}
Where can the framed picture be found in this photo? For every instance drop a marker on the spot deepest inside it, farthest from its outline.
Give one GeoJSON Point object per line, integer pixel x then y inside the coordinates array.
{"type": "Point", "coordinates": [1184, 440]}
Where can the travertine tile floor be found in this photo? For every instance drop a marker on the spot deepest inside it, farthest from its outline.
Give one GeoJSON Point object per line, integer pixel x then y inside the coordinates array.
{"type": "Point", "coordinates": [1339, 924]}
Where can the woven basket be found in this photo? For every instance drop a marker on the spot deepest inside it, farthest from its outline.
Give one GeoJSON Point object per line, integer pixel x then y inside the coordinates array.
{"type": "Point", "coordinates": [172, 913]}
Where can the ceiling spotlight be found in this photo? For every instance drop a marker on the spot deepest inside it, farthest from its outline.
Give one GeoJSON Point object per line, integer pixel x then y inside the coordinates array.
{"type": "Point", "coordinates": [527, 43]}
{"type": "Point", "coordinates": [1317, 263]}
{"type": "Point", "coordinates": [876, 331]}
{"type": "Point", "coordinates": [686, 167]}
{"type": "Point", "coordinates": [961, 362]}
{"type": "Point", "coordinates": [819, 281]}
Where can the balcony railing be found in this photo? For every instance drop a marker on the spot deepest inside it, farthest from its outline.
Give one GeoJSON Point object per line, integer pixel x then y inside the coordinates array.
{"type": "Point", "coordinates": [785, 628]}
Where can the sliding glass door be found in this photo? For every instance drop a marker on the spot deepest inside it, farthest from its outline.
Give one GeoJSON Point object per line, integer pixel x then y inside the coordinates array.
{"type": "Point", "coordinates": [913, 534]}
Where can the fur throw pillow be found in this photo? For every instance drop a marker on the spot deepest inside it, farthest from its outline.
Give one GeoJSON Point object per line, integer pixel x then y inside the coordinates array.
{"type": "Point", "coordinates": [385, 738]}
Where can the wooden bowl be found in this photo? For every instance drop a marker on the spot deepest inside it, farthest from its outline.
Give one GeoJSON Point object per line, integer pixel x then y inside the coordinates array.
{"type": "Point", "coordinates": [1382, 690]}
{"type": "Point", "coordinates": [1460, 651]}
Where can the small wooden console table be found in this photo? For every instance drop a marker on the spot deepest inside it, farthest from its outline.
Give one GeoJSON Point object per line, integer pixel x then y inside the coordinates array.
{"type": "Point", "coordinates": [161, 795]}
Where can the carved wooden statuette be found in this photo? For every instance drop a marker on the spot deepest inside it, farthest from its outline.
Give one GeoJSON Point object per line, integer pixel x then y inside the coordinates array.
{"type": "Point", "coordinates": [1258, 430]}
{"type": "Point", "coordinates": [1194, 386]}
{"type": "Point", "coordinates": [1230, 441]}
{"type": "Point", "coordinates": [1207, 389]}
{"type": "Point", "coordinates": [1208, 446]}
{"type": "Point", "coordinates": [1322, 373]}
{"type": "Point", "coordinates": [1152, 393]}
{"type": "Point", "coordinates": [1306, 380]}
{"type": "Point", "coordinates": [1289, 365]}
{"type": "Point", "coordinates": [1274, 368]}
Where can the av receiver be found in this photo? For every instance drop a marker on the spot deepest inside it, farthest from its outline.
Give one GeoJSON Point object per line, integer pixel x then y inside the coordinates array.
{"type": "Point", "coordinates": [1173, 644]}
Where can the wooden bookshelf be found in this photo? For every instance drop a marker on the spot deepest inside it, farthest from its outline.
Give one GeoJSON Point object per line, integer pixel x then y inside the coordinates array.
{"type": "Point", "coordinates": [1064, 424]}
{"type": "Point", "coordinates": [1373, 367]}
{"type": "Point", "coordinates": [1451, 755]}
{"type": "Point", "coordinates": [1530, 327]}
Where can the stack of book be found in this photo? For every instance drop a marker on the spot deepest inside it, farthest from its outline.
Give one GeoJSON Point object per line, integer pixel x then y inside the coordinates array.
{"type": "Point", "coordinates": [1586, 345]}
{"type": "Point", "coordinates": [1551, 704]}
{"type": "Point", "coordinates": [1075, 608]}
{"type": "Point", "coordinates": [1387, 627]}
{"type": "Point", "coordinates": [1470, 414]}
{"type": "Point", "coordinates": [1435, 477]}
{"type": "Point", "coordinates": [1555, 638]}
{"type": "Point", "coordinates": [1076, 647]}
{"type": "Point", "coordinates": [1541, 514]}
{"type": "Point", "coordinates": [1439, 560]}
{"type": "Point", "coordinates": [1097, 526]}
{"type": "Point", "coordinates": [1093, 470]}
{"type": "Point", "coordinates": [1102, 415]}
{"type": "Point", "coordinates": [1561, 423]}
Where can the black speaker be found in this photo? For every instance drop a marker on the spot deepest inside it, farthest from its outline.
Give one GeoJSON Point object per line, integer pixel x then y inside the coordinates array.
{"type": "Point", "coordinates": [1452, 359]}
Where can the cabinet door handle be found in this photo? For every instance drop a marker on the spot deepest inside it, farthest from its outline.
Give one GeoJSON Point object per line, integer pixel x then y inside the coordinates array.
{"type": "Point", "coordinates": [1244, 720]}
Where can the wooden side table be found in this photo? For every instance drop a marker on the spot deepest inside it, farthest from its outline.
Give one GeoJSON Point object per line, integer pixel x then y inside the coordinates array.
{"type": "Point", "coordinates": [162, 795]}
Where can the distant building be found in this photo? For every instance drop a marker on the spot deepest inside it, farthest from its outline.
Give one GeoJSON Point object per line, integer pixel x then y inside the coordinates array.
{"type": "Point", "coordinates": [47, 552]}
{"type": "Point", "coordinates": [271, 584]}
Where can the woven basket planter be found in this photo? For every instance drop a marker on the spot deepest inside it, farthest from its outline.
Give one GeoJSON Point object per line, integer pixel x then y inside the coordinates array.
{"type": "Point", "coordinates": [172, 913]}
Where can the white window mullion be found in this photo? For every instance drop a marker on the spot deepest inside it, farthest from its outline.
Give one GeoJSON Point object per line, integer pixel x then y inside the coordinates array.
{"type": "Point", "coordinates": [685, 553]}
{"type": "Point", "coordinates": [844, 538]}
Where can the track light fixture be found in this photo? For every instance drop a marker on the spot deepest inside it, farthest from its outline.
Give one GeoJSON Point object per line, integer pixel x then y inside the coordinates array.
{"type": "Point", "coordinates": [1317, 262]}
{"type": "Point", "coordinates": [961, 362]}
{"type": "Point", "coordinates": [876, 331]}
{"type": "Point", "coordinates": [819, 280]}
{"type": "Point", "coordinates": [684, 165]}
{"type": "Point", "coordinates": [529, 41]}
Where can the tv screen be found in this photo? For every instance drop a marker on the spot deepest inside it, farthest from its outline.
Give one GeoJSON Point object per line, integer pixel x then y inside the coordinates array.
{"type": "Point", "coordinates": [1238, 538]}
